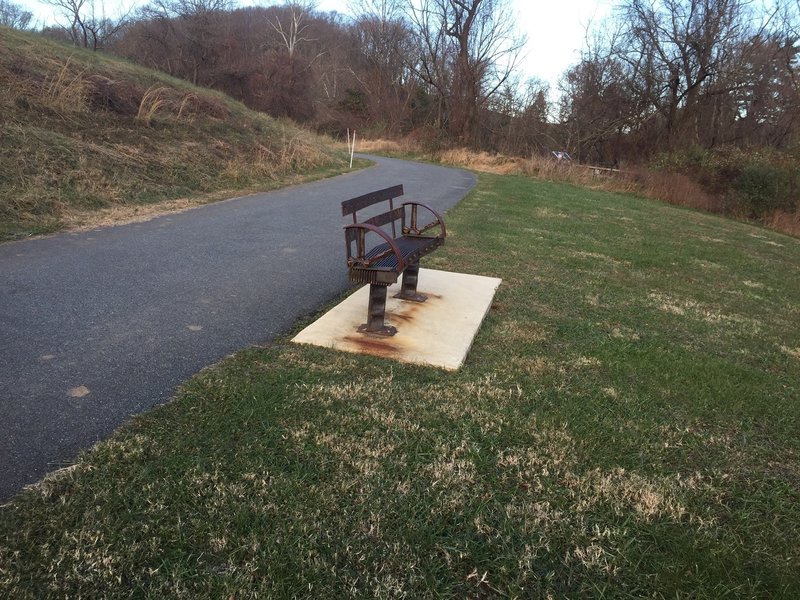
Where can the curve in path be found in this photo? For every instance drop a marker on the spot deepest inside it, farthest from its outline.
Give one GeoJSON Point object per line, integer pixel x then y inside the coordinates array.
{"type": "Point", "coordinates": [97, 326]}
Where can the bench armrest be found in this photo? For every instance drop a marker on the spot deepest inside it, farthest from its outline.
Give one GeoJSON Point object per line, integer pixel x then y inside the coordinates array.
{"type": "Point", "coordinates": [413, 229]}
{"type": "Point", "coordinates": [358, 233]}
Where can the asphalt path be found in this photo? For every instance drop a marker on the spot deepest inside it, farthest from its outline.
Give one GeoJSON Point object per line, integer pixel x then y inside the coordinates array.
{"type": "Point", "coordinates": [100, 325]}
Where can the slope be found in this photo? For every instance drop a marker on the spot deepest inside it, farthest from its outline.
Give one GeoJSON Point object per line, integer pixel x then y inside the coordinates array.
{"type": "Point", "coordinates": [87, 134]}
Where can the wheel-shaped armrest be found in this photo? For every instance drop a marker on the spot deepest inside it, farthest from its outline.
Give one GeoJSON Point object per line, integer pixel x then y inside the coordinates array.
{"type": "Point", "coordinates": [357, 233]}
{"type": "Point", "coordinates": [413, 229]}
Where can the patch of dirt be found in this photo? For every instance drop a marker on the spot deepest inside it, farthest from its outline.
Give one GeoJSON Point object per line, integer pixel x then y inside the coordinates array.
{"type": "Point", "coordinates": [124, 215]}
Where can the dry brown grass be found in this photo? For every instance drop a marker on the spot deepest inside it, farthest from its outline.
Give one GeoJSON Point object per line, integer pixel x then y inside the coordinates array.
{"type": "Point", "coordinates": [188, 100]}
{"type": "Point", "coordinates": [543, 167]}
{"type": "Point", "coordinates": [64, 92]}
{"type": "Point", "coordinates": [672, 188]}
{"type": "Point", "coordinates": [62, 89]}
{"type": "Point", "coordinates": [384, 146]}
{"type": "Point", "coordinates": [153, 100]}
{"type": "Point", "coordinates": [481, 161]}
{"type": "Point", "coordinates": [89, 140]}
{"type": "Point", "coordinates": [77, 220]}
{"type": "Point", "coordinates": [785, 221]}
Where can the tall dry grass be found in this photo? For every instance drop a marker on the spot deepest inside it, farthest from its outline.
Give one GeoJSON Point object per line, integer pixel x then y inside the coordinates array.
{"type": "Point", "coordinates": [384, 146]}
{"type": "Point", "coordinates": [84, 134]}
{"type": "Point", "coordinates": [785, 222]}
{"type": "Point", "coordinates": [153, 100]}
{"type": "Point", "coordinates": [66, 91]}
{"type": "Point", "coordinates": [669, 187]}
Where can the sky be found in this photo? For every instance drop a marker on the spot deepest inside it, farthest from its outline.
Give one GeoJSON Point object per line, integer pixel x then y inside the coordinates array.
{"type": "Point", "coordinates": [555, 29]}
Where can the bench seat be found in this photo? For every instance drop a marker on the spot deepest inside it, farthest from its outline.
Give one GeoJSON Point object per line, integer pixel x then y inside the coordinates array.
{"type": "Point", "coordinates": [411, 249]}
{"type": "Point", "coordinates": [380, 265]}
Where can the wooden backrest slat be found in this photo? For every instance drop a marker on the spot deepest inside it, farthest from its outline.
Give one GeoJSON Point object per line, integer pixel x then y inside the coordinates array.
{"type": "Point", "coordinates": [355, 204]}
{"type": "Point", "coordinates": [387, 217]}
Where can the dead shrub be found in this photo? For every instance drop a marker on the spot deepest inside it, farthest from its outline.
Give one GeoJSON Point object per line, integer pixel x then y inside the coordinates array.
{"type": "Point", "coordinates": [785, 221]}
{"type": "Point", "coordinates": [428, 139]}
{"type": "Point", "coordinates": [119, 97]}
{"type": "Point", "coordinates": [204, 106]}
{"type": "Point", "coordinates": [674, 188]}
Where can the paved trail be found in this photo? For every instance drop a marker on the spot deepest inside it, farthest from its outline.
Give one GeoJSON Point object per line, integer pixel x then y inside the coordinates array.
{"type": "Point", "coordinates": [100, 325]}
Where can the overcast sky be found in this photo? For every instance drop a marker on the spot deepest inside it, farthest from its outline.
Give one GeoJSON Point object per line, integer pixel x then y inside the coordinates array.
{"type": "Point", "coordinates": [555, 29]}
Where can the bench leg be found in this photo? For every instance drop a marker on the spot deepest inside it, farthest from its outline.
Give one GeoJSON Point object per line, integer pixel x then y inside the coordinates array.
{"type": "Point", "coordinates": [408, 289]}
{"type": "Point", "coordinates": [376, 313]}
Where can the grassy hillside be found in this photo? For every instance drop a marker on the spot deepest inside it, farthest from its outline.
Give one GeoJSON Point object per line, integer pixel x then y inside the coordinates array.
{"type": "Point", "coordinates": [84, 132]}
{"type": "Point", "coordinates": [627, 424]}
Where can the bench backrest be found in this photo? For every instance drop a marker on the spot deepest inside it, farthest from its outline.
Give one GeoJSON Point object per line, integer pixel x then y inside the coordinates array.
{"type": "Point", "coordinates": [352, 206]}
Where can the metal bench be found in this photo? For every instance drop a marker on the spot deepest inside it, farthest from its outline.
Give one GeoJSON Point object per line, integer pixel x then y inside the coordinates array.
{"type": "Point", "coordinates": [381, 264]}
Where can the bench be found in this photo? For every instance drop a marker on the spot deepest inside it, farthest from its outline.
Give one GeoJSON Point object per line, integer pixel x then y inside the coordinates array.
{"type": "Point", "coordinates": [377, 255]}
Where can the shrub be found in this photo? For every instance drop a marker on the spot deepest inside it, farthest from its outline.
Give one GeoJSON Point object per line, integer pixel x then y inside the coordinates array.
{"type": "Point", "coordinates": [750, 182]}
{"type": "Point", "coordinates": [763, 189]}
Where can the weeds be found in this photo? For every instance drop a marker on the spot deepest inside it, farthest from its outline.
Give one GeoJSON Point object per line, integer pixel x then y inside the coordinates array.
{"type": "Point", "coordinates": [186, 101]}
{"type": "Point", "coordinates": [87, 137]}
{"type": "Point", "coordinates": [66, 91]}
{"type": "Point", "coordinates": [152, 101]}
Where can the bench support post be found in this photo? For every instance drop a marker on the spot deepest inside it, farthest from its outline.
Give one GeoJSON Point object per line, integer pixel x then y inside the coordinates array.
{"type": "Point", "coordinates": [408, 289]}
{"type": "Point", "coordinates": [376, 312]}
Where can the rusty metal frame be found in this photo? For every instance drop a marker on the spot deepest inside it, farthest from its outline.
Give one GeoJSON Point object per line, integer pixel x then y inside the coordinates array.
{"type": "Point", "coordinates": [376, 312]}
{"type": "Point", "coordinates": [413, 230]}
{"type": "Point", "coordinates": [408, 288]}
{"type": "Point", "coordinates": [360, 260]}
{"type": "Point", "coordinates": [379, 278]}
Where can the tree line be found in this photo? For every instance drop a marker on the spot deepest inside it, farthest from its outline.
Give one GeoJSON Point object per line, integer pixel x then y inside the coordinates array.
{"type": "Point", "coordinates": [670, 74]}
{"type": "Point", "coordinates": [656, 76]}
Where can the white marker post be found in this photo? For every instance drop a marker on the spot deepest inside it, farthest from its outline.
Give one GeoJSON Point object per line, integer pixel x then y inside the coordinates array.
{"type": "Point", "coordinates": [352, 146]}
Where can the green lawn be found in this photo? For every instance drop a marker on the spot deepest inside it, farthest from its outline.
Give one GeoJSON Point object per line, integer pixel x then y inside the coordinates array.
{"type": "Point", "coordinates": [626, 425]}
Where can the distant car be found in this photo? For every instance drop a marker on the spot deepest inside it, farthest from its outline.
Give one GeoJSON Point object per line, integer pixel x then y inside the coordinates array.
{"type": "Point", "coordinates": [561, 155]}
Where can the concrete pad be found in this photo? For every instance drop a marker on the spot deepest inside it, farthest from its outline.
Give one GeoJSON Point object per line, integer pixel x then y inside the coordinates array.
{"type": "Point", "coordinates": [438, 332]}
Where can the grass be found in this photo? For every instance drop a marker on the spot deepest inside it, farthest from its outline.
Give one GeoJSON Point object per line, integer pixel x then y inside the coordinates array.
{"type": "Point", "coordinates": [668, 185]}
{"type": "Point", "coordinates": [626, 425]}
{"type": "Point", "coordinates": [90, 138]}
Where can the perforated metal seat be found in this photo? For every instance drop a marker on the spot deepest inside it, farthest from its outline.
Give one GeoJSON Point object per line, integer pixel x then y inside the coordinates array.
{"type": "Point", "coordinates": [411, 249]}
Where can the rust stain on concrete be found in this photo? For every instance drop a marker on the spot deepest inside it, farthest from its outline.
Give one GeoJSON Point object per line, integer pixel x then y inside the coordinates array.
{"type": "Point", "coordinates": [436, 332]}
{"type": "Point", "coordinates": [373, 345]}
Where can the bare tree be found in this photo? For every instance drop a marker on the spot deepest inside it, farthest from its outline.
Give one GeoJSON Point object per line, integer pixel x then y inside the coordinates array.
{"type": "Point", "coordinates": [517, 120]}
{"type": "Point", "coordinates": [598, 109]}
{"type": "Point", "coordinates": [194, 35]}
{"type": "Point", "coordinates": [677, 48]}
{"type": "Point", "coordinates": [291, 23]}
{"type": "Point", "coordinates": [87, 24]}
{"type": "Point", "coordinates": [667, 74]}
{"type": "Point", "coordinates": [14, 16]}
{"type": "Point", "coordinates": [383, 41]}
{"type": "Point", "coordinates": [469, 49]}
